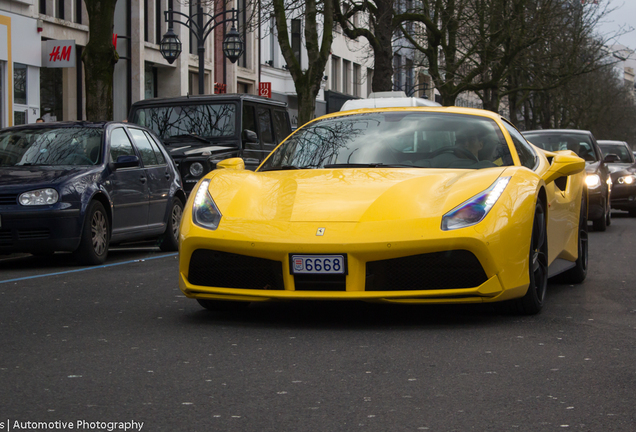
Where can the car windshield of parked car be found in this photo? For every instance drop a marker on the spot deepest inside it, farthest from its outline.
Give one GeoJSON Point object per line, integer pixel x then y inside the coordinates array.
{"type": "Point", "coordinates": [50, 146]}
{"type": "Point", "coordinates": [394, 139]}
{"type": "Point", "coordinates": [578, 143]}
{"type": "Point", "coordinates": [621, 151]}
{"type": "Point", "coordinates": [205, 121]}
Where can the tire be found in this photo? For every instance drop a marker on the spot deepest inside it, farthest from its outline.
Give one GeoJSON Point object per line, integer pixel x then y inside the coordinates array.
{"type": "Point", "coordinates": [608, 218]}
{"type": "Point", "coordinates": [600, 224]}
{"type": "Point", "coordinates": [632, 213]}
{"type": "Point", "coordinates": [223, 305]}
{"type": "Point", "coordinates": [93, 247]}
{"type": "Point", "coordinates": [532, 302]}
{"type": "Point", "coordinates": [169, 240]}
{"type": "Point", "coordinates": [578, 273]}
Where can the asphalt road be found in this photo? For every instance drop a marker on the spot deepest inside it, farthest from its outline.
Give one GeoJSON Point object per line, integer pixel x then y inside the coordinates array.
{"type": "Point", "coordinates": [120, 343]}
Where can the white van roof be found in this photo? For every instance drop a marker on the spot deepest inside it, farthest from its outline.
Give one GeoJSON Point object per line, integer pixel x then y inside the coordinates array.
{"type": "Point", "coordinates": [386, 100]}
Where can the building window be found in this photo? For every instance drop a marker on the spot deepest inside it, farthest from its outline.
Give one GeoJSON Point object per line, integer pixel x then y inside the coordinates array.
{"type": "Point", "coordinates": [19, 83]}
{"type": "Point", "coordinates": [296, 39]}
{"type": "Point", "coordinates": [193, 38]}
{"type": "Point", "coordinates": [77, 11]}
{"type": "Point", "coordinates": [158, 21]}
{"type": "Point", "coordinates": [242, 24]}
{"type": "Point", "coordinates": [2, 95]}
{"type": "Point", "coordinates": [369, 81]}
{"type": "Point", "coordinates": [357, 80]}
{"type": "Point", "coordinates": [42, 7]}
{"type": "Point", "coordinates": [408, 87]}
{"type": "Point", "coordinates": [150, 82]}
{"type": "Point", "coordinates": [59, 9]}
{"type": "Point", "coordinates": [335, 73]}
{"type": "Point", "coordinates": [397, 72]}
{"type": "Point", "coordinates": [346, 76]}
{"type": "Point", "coordinates": [146, 21]}
{"type": "Point", "coordinates": [273, 41]}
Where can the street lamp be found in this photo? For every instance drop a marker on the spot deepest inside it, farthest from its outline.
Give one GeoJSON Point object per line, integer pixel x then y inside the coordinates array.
{"type": "Point", "coordinates": [170, 46]}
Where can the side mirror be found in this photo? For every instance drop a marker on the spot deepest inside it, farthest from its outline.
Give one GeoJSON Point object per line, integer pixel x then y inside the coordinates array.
{"type": "Point", "coordinates": [232, 163]}
{"type": "Point", "coordinates": [250, 136]}
{"type": "Point", "coordinates": [564, 164]}
{"type": "Point", "coordinates": [611, 158]}
{"type": "Point", "coordinates": [126, 161]}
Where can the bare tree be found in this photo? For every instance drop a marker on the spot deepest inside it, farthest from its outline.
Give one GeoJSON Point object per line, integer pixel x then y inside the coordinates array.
{"type": "Point", "coordinates": [99, 58]}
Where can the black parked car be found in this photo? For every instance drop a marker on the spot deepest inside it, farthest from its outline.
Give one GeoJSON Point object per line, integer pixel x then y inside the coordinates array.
{"type": "Point", "coordinates": [80, 186]}
{"type": "Point", "coordinates": [599, 183]}
{"type": "Point", "coordinates": [200, 131]}
{"type": "Point", "coordinates": [622, 165]}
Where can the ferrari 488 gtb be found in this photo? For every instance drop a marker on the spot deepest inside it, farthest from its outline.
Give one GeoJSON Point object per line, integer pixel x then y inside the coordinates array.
{"type": "Point", "coordinates": [403, 205]}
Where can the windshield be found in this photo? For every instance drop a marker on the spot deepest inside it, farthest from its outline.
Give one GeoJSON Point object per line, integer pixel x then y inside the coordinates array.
{"type": "Point", "coordinates": [621, 151]}
{"type": "Point", "coordinates": [201, 120]}
{"type": "Point", "coordinates": [394, 139]}
{"type": "Point", "coordinates": [578, 143]}
{"type": "Point", "coordinates": [51, 146]}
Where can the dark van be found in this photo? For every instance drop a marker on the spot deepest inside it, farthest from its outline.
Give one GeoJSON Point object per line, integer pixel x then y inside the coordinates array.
{"type": "Point", "coordinates": [200, 131]}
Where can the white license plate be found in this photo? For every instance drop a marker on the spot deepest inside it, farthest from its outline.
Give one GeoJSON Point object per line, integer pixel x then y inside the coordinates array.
{"type": "Point", "coordinates": [318, 264]}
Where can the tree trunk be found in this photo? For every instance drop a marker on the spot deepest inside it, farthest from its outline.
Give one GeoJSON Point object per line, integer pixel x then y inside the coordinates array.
{"type": "Point", "coordinates": [383, 50]}
{"type": "Point", "coordinates": [99, 58]}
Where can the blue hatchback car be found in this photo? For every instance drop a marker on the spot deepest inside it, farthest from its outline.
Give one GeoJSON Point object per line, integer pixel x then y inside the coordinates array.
{"type": "Point", "coordinates": [81, 186]}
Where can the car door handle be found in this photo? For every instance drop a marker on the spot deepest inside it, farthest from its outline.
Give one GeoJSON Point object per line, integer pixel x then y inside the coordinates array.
{"type": "Point", "coordinates": [167, 176]}
{"type": "Point", "coordinates": [142, 179]}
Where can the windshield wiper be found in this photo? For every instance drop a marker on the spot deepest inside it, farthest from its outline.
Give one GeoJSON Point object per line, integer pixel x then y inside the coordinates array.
{"type": "Point", "coordinates": [286, 167]}
{"type": "Point", "coordinates": [368, 165]}
{"type": "Point", "coordinates": [191, 135]}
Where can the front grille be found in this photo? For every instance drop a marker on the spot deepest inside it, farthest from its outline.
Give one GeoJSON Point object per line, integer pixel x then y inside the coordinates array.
{"type": "Point", "coordinates": [432, 271]}
{"type": "Point", "coordinates": [33, 234]}
{"type": "Point", "coordinates": [6, 237]}
{"type": "Point", "coordinates": [8, 199]}
{"type": "Point", "coordinates": [228, 270]}
{"type": "Point", "coordinates": [320, 282]}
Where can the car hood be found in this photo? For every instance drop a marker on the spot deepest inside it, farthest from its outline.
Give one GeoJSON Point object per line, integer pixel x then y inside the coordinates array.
{"type": "Point", "coordinates": [29, 177]}
{"type": "Point", "coordinates": [615, 167]}
{"type": "Point", "coordinates": [345, 195]}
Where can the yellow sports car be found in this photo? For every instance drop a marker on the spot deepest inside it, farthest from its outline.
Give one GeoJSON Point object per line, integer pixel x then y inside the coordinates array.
{"type": "Point", "coordinates": [402, 205]}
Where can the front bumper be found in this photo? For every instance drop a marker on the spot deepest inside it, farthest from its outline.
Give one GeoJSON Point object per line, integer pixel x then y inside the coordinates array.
{"type": "Point", "coordinates": [623, 196]}
{"type": "Point", "coordinates": [500, 257]}
{"type": "Point", "coordinates": [39, 229]}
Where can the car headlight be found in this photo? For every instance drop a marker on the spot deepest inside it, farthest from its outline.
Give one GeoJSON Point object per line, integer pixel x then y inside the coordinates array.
{"type": "Point", "coordinates": [628, 179]}
{"type": "Point", "coordinates": [474, 210]}
{"type": "Point", "coordinates": [205, 213]}
{"type": "Point", "coordinates": [593, 181]}
{"type": "Point", "coordinates": [46, 196]}
{"type": "Point", "coordinates": [196, 169]}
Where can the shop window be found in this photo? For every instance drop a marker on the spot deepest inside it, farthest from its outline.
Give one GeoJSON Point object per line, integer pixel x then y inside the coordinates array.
{"type": "Point", "coordinates": [150, 82]}
{"type": "Point", "coordinates": [2, 95]}
{"type": "Point", "coordinates": [19, 83]}
{"type": "Point", "coordinates": [51, 94]}
{"type": "Point", "coordinates": [19, 118]}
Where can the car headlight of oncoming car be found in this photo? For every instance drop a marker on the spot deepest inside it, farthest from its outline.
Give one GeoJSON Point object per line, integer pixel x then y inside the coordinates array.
{"type": "Point", "coordinates": [474, 210]}
{"type": "Point", "coordinates": [592, 181]}
{"type": "Point", "coordinates": [627, 179]}
{"type": "Point", "coordinates": [205, 213]}
{"type": "Point", "coordinates": [46, 196]}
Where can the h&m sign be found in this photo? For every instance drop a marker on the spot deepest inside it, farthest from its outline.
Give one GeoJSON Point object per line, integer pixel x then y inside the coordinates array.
{"type": "Point", "coordinates": [58, 53]}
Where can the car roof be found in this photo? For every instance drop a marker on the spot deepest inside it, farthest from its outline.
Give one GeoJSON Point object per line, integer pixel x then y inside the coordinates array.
{"type": "Point", "coordinates": [612, 142]}
{"type": "Point", "coordinates": [551, 131]}
{"type": "Point", "coordinates": [67, 124]}
{"type": "Point", "coordinates": [225, 97]}
{"type": "Point", "coordinates": [430, 109]}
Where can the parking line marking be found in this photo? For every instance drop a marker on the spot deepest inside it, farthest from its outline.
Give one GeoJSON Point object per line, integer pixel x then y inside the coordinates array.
{"type": "Point", "coordinates": [89, 268]}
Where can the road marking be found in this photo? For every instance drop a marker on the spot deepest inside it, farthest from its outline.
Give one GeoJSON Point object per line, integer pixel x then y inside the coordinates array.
{"type": "Point", "coordinates": [89, 268]}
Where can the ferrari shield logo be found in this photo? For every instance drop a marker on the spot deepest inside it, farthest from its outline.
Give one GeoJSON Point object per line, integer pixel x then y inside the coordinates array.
{"type": "Point", "coordinates": [298, 264]}
{"type": "Point", "coordinates": [320, 232]}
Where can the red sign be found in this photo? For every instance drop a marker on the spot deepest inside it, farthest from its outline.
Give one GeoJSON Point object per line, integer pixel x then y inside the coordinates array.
{"type": "Point", "coordinates": [58, 53]}
{"type": "Point", "coordinates": [220, 88]}
{"type": "Point", "coordinates": [265, 89]}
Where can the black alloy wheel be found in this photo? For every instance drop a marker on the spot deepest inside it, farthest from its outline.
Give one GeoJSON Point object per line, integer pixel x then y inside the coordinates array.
{"type": "Point", "coordinates": [578, 273]}
{"type": "Point", "coordinates": [532, 302]}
